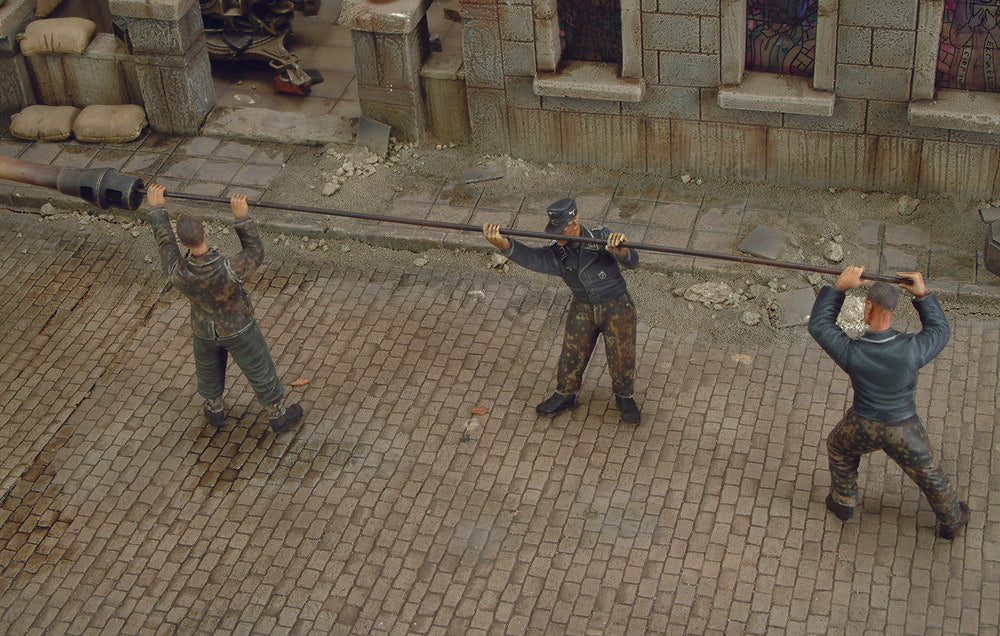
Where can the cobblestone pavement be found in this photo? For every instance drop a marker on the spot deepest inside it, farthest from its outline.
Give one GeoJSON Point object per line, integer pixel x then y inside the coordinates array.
{"type": "Point", "coordinates": [394, 510]}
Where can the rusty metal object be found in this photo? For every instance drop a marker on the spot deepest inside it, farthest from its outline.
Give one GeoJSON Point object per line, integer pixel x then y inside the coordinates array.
{"type": "Point", "coordinates": [104, 187]}
{"type": "Point", "coordinates": [463, 227]}
{"type": "Point", "coordinates": [992, 253]}
{"type": "Point", "coordinates": [107, 187]}
{"type": "Point", "coordinates": [257, 29]}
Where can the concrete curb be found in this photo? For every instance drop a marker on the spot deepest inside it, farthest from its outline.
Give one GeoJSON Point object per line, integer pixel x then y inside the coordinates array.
{"type": "Point", "coordinates": [31, 200]}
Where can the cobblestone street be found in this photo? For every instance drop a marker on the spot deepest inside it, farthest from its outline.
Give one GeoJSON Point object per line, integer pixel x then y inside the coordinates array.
{"type": "Point", "coordinates": [393, 509]}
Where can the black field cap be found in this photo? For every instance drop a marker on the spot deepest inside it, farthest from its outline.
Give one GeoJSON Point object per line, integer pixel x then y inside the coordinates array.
{"type": "Point", "coordinates": [560, 214]}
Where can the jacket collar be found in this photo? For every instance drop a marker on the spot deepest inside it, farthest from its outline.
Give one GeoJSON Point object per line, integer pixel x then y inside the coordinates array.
{"type": "Point", "coordinates": [207, 258]}
{"type": "Point", "coordinates": [880, 337]}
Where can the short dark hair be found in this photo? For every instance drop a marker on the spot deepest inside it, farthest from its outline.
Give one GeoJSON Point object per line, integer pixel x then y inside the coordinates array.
{"type": "Point", "coordinates": [884, 295]}
{"type": "Point", "coordinates": [190, 231]}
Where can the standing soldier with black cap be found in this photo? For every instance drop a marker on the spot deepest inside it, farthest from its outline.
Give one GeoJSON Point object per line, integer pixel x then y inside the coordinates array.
{"type": "Point", "coordinates": [600, 304]}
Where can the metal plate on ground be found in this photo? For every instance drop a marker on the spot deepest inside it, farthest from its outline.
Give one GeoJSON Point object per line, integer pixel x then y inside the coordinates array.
{"type": "Point", "coordinates": [795, 306]}
{"type": "Point", "coordinates": [373, 135]}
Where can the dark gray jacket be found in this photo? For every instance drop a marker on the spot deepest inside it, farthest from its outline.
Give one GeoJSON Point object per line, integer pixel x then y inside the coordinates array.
{"type": "Point", "coordinates": [882, 364]}
{"type": "Point", "coordinates": [590, 270]}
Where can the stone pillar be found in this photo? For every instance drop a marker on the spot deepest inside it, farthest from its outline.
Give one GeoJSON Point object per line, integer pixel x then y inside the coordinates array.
{"type": "Point", "coordinates": [485, 82]}
{"type": "Point", "coordinates": [167, 40]}
{"type": "Point", "coordinates": [390, 43]}
{"type": "Point", "coordinates": [15, 84]}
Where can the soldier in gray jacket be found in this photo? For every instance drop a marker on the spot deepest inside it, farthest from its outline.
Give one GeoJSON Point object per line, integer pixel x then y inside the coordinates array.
{"type": "Point", "coordinates": [883, 365]}
{"type": "Point", "coordinates": [600, 304]}
{"type": "Point", "coordinates": [221, 314]}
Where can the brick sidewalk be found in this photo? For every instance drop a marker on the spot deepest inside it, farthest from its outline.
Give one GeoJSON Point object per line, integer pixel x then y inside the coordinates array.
{"type": "Point", "coordinates": [393, 510]}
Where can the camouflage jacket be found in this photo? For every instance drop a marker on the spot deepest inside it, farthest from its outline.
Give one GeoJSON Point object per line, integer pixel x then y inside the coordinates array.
{"type": "Point", "coordinates": [590, 270]}
{"type": "Point", "coordinates": [211, 282]}
{"type": "Point", "coordinates": [882, 364]}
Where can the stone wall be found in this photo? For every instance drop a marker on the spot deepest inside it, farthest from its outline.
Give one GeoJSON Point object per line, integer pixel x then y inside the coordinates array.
{"type": "Point", "coordinates": [872, 55]}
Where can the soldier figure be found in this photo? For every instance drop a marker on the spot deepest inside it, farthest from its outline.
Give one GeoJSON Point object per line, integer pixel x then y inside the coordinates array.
{"type": "Point", "coordinates": [882, 365]}
{"type": "Point", "coordinates": [221, 314]}
{"type": "Point", "coordinates": [600, 304]}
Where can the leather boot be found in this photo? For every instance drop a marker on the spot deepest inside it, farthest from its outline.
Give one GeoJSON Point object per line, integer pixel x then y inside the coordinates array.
{"type": "Point", "coordinates": [840, 511]}
{"type": "Point", "coordinates": [556, 402]}
{"type": "Point", "coordinates": [629, 409]}
{"type": "Point", "coordinates": [214, 414]}
{"type": "Point", "coordinates": [949, 531]}
{"type": "Point", "coordinates": [282, 417]}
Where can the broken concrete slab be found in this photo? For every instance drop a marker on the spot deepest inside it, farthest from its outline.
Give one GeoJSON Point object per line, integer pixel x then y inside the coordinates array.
{"type": "Point", "coordinates": [262, 124]}
{"type": "Point", "coordinates": [764, 242]}
{"type": "Point", "coordinates": [486, 172]}
{"type": "Point", "coordinates": [795, 306]}
{"type": "Point", "coordinates": [989, 215]}
{"type": "Point", "coordinates": [374, 135]}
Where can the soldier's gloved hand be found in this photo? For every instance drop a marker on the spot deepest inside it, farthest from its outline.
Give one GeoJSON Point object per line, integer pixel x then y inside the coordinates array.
{"type": "Point", "coordinates": [155, 195]}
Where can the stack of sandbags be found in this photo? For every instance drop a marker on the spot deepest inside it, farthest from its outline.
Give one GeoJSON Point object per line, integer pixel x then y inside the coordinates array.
{"type": "Point", "coordinates": [97, 123]}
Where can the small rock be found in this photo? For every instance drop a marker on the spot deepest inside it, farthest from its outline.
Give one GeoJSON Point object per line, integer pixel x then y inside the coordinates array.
{"type": "Point", "coordinates": [497, 260]}
{"type": "Point", "coordinates": [345, 249]}
{"type": "Point", "coordinates": [709, 293]}
{"type": "Point", "coordinates": [420, 262]}
{"type": "Point", "coordinates": [906, 205]}
{"type": "Point", "coordinates": [330, 188]}
{"type": "Point", "coordinates": [852, 316]}
{"type": "Point", "coordinates": [750, 318]}
{"type": "Point", "coordinates": [47, 209]}
{"type": "Point", "coordinates": [686, 178]}
{"type": "Point", "coordinates": [833, 252]}
{"type": "Point", "coordinates": [814, 278]}
{"type": "Point", "coordinates": [755, 291]}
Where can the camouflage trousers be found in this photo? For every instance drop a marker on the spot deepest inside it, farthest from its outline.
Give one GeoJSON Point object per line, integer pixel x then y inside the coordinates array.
{"type": "Point", "coordinates": [616, 320]}
{"type": "Point", "coordinates": [906, 443]}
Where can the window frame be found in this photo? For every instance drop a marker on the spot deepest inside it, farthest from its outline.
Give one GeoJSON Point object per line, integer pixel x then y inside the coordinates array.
{"type": "Point", "coordinates": [948, 108]}
{"type": "Point", "coordinates": [751, 90]}
{"type": "Point", "coordinates": [588, 80]}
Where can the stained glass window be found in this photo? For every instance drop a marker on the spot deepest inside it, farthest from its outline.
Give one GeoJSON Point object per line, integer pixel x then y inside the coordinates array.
{"type": "Point", "coordinates": [969, 54]}
{"type": "Point", "coordinates": [781, 36]}
{"type": "Point", "coordinates": [591, 30]}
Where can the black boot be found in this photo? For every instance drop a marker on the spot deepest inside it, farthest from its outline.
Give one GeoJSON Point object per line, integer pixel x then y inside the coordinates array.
{"type": "Point", "coordinates": [556, 402]}
{"type": "Point", "coordinates": [629, 409]}
{"type": "Point", "coordinates": [840, 511]}
{"type": "Point", "coordinates": [283, 417]}
{"type": "Point", "coordinates": [214, 414]}
{"type": "Point", "coordinates": [949, 531]}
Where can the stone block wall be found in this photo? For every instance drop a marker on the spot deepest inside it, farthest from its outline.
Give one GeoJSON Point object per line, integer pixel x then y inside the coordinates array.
{"type": "Point", "coordinates": [877, 68]}
{"type": "Point", "coordinates": [15, 82]}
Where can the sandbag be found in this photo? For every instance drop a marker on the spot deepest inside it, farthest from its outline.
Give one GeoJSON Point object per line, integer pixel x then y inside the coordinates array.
{"type": "Point", "coordinates": [44, 123]}
{"type": "Point", "coordinates": [110, 123]}
{"type": "Point", "coordinates": [56, 35]}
